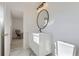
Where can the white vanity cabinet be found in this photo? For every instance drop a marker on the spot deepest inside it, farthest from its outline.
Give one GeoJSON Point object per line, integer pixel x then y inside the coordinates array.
{"type": "Point", "coordinates": [45, 44]}
{"type": "Point", "coordinates": [40, 43]}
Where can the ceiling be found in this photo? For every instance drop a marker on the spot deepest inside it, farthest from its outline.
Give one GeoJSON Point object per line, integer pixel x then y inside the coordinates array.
{"type": "Point", "coordinates": [17, 8]}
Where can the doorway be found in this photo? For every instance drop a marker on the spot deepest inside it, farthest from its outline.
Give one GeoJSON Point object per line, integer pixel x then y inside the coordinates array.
{"type": "Point", "coordinates": [17, 32]}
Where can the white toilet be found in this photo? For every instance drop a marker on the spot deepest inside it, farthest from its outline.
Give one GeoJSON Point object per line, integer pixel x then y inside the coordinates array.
{"type": "Point", "coordinates": [64, 49]}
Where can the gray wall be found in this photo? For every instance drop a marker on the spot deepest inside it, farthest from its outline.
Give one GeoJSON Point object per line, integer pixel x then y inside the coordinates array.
{"type": "Point", "coordinates": [66, 25]}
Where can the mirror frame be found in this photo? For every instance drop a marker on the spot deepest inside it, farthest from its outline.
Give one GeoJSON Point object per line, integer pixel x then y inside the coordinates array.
{"type": "Point", "coordinates": [38, 19]}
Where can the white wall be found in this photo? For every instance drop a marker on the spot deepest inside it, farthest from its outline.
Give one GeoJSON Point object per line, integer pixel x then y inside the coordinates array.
{"type": "Point", "coordinates": [29, 22]}
{"type": "Point", "coordinates": [27, 27]}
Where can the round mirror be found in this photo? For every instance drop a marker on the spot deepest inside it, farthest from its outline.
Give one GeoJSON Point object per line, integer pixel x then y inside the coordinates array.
{"type": "Point", "coordinates": [42, 19]}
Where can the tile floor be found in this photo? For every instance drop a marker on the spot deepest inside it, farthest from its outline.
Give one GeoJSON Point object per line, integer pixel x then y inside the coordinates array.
{"type": "Point", "coordinates": [17, 48]}
{"type": "Point", "coordinates": [17, 43]}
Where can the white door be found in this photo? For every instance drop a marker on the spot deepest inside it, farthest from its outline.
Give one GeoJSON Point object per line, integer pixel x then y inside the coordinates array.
{"type": "Point", "coordinates": [7, 31]}
{"type": "Point", "coordinates": [0, 37]}
{"type": "Point", "coordinates": [1, 29]}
